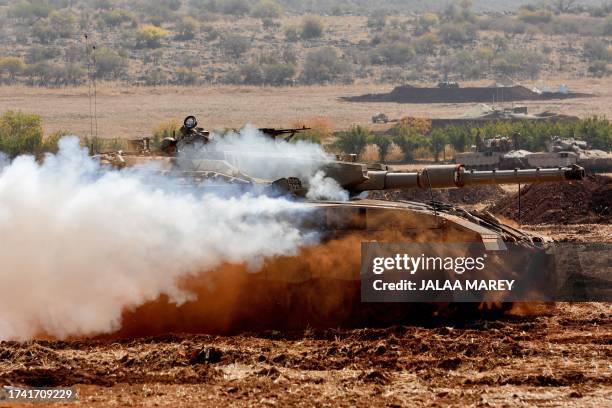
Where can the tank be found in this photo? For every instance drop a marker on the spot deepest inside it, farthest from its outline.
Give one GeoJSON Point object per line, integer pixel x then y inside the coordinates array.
{"type": "Point", "coordinates": [502, 153]}
{"type": "Point", "coordinates": [496, 153]}
{"type": "Point", "coordinates": [312, 289]}
{"type": "Point", "coordinates": [563, 151]}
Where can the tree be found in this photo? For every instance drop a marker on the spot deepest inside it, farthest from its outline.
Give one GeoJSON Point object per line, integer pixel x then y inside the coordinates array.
{"type": "Point", "coordinates": [383, 143]}
{"type": "Point", "coordinates": [150, 36]}
{"type": "Point", "coordinates": [187, 28]}
{"type": "Point", "coordinates": [312, 27]}
{"type": "Point", "coordinates": [408, 140]}
{"type": "Point", "coordinates": [235, 46]}
{"type": "Point", "coordinates": [438, 140]}
{"type": "Point", "coordinates": [354, 140]}
{"type": "Point", "coordinates": [13, 66]}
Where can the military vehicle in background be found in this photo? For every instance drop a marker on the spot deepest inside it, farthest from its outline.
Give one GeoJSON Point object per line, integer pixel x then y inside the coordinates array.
{"type": "Point", "coordinates": [210, 167]}
{"type": "Point", "coordinates": [380, 118]}
{"type": "Point", "coordinates": [579, 152]}
{"type": "Point", "coordinates": [502, 153]}
{"type": "Point", "coordinates": [448, 84]}
{"type": "Point", "coordinates": [499, 152]}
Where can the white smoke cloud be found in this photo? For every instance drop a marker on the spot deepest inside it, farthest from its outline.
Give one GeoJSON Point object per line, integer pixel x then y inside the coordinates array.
{"type": "Point", "coordinates": [325, 188]}
{"type": "Point", "coordinates": [263, 157]}
{"type": "Point", "coordinates": [80, 244]}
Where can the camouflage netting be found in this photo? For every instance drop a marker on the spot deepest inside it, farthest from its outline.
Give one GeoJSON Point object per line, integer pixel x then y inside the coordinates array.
{"type": "Point", "coordinates": [589, 201]}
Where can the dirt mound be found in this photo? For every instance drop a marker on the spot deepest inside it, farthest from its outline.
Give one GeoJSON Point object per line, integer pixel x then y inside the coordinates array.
{"type": "Point", "coordinates": [468, 195]}
{"type": "Point", "coordinates": [412, 94]}
{"type": "Point", "coordinates": [588, 201]}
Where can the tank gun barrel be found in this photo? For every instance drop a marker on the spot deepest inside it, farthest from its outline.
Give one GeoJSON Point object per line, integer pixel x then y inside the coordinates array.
{"type": "Point", "coordinates": [449, 176]}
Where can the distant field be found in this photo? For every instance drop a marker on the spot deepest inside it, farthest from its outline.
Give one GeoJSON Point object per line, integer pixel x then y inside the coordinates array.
{"type": "Point", "coordinates": [133, 111]}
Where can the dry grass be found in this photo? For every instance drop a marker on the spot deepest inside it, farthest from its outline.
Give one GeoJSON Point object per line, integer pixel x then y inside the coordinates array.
{"type": "Point", "coordinates": [134, 111]}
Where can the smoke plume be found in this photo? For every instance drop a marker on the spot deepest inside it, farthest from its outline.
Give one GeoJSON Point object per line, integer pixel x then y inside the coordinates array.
{"type": "Point", "coordinates": [81, 245]}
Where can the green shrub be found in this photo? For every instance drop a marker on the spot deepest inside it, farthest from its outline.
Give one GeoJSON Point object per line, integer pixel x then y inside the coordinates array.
{"type": "Point", "coordinates": [383, 143]}
{"type": "Point", "coordinates": [312, 27]}
{"type": "Point", "coordinates": [187, 28]}
{"type": "Point", "coordinates": [454, 33]}
{"type": "Point", "coordinates": [292, 34]}
{"type": "Point", "coordinates": [324, 65]}
{"type": "Point", "coordinates": [20, 133]}
{"type": "Point", "coordinates": [12, 66]}
{"type": "Point", "coordinates": [267, 9]}
{"type": "Point", "coordinates": [234, 46]}
{"type": "Point", "coordinates": [150, 36]}
{"type": "Point", "coordinates": [597, 50]}
{"type": "Point", "coordinates": [109, 64]}
{"type": "Point", "coordinates": [353, 141]}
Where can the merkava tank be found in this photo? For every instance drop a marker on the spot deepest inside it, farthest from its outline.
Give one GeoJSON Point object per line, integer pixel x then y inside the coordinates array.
{"type": "Point", "coordinates": [320, 286]}
{"type": "Point", "coordinates": [503, 153]}
{"type": "Point", "coordinates": [566, 151]}
{"type": "Point", "coordinates": [495, 153]}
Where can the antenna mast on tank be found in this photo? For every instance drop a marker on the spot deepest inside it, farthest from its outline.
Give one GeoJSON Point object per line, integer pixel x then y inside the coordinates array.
{"type": "Point", "coordinates": [89, 85]}
{"type": "Point", "coordinates": [95, 93]}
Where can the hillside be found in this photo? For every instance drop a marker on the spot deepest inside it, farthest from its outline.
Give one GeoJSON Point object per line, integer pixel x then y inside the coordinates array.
{"type": "Point", "coordinates": [187, 42]}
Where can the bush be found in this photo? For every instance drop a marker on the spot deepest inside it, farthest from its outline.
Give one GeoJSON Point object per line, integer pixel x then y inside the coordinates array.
{"type": "Point", "coordinates": [598, 69]}
{"type": "Point", "coordinates": [185, 76]}
{"type": "Point", "coordinates": [353, 141]}
{"type": "Point", "coordinates": [377, 20]}
{"type": "Point", "coordinates": [62, 24]}
{"type": "Point", "coordinates": [155, 77]}
{"type": "Point", "coordinates": [169, 128]}
{"type": "Point", "coordinates": [116, 17]}
{"type": "Point", "coordinates": [38, 53]}
{"type": "Point", "coordinates": [235, 46]}
{"type": "Point", "coordinates": [187, 28]}
{"type": "Point", "coordinates": [20, 133]}
{"type": "Point", "coordinates": [324, 65]}
{"type": "Point", "coordinates": [150, 36]}
{"type": "Point", "coordinates": [109, 64]}
{"type": "Point", "coordinates": [535, 17]}
{"type": "Point", "coordinates": [267, 9]}
{"type": "Point", "coordinates": [235, 7]}
{"type": "Point", "coordinates": [312, 27]}
{"type": "Point", "coordinates": [33, 9]}
{"type": "Point", "coordinates": [519, 62]}
{"type": "Point", "coordinates": [597, 50]}
{"type": "Point", "coordinates": [426, 22]}
{"type": "Point", "coordinates": [453, 33]}
{"type": "Point", "coordinates": [292, 34]}
{"type": "Point", "coordinates": [396, 53]}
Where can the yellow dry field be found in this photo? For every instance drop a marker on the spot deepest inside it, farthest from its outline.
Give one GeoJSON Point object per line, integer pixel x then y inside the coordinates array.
{"type": "Point", "coordinates": [126, 112]}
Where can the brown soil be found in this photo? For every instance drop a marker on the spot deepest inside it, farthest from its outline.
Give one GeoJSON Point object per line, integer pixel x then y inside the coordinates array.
{"type": "Point", "coordinates": [469, 195]}
{"type": "Point", "coordinates": [589, 201]}
{"type": "Point", "coordinates": [560, 357]}
{"type": "Point", "coordinates": [412, 94]}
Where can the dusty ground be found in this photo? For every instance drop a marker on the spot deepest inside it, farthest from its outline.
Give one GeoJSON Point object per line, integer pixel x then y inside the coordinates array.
{"type": "Point", "coordinates": [132, 111]}
{"type": "Point", "coordinates": [557, 356]}
{"type": "Point", "coordinates": [550, 360]}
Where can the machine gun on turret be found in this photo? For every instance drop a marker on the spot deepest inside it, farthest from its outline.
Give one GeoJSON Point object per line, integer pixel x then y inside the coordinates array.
{"type": "Point", "coordinates": [275, 133]}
